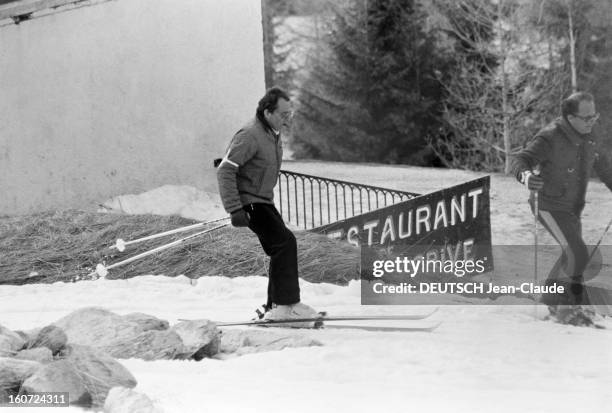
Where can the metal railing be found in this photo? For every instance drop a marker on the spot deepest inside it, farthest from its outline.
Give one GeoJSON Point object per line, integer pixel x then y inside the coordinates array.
{"type": "Point", "coordinates": [308, 201]}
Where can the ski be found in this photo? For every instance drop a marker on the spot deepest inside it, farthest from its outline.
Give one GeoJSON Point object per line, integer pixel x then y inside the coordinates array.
{"type": "Point", "coordinates": [392, 329]}
{"type": "Point", "coordinates": [323, 318]}
{"type": "Point", "coordinates": [426, 329]}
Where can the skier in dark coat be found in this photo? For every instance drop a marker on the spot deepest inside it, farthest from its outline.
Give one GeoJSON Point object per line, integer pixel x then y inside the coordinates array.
{"type": "Point", "coordinates": [565, 152]}
{"type": "Point", "coordinates": [247, 176]}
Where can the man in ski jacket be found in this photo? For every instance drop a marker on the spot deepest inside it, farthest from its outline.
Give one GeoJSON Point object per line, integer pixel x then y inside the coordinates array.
{"type": "Point", "coordinates": [564, 153]}
{"type": "Point", "coordinates": [246, 177]}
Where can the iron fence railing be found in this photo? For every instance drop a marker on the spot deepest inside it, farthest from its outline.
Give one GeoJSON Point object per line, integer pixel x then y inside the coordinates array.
{"type": "Point", "coordinates": [308, 201]}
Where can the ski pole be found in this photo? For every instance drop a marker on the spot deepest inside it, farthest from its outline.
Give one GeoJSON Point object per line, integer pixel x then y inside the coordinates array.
{"type": "Point", "coordinates": [536, 208]}
{"type": "Point", "coordinates": [102, 270]}
{"type": "Point", "coordinates": [600, 239]}
{"type": "Point", "coordinates": [120, 244]}
{"type": "Point", "coordinates": [535, 238]}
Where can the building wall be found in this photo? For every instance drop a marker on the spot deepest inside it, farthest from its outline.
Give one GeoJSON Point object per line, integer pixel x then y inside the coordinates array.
{"type": "Point", "coordinates": [123, 96]}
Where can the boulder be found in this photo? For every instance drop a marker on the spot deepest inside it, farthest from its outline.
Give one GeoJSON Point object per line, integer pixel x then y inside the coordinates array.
{"type": "Point", "coordinates": [147, 322]}
{"type": "Point", "coordinates": [59, 376]}
{"type": "Point", "coordinates": [200, 338]}
{"type": "Point", "coordinates": [41, 354]}
{"type": "Point", "coordinates": [150, 345]}
{"type": "Point", "coordinates": [239, 341]}
{"type": "Point", "coordinates": [51, 337]}
{"type": "Point", "coordinates": [103, 371]}
{"type": "Point", "coordinates": [4, 396]}
{"type": "Point", "coordinates": [123, 400]}
{"type": "Point", "coordinates": [85, 373]}
{"type": "Point", "coordinates": [28, 336]}
{"type": "Point", "coordinates": [136, 335]}
{"type": "Point", "coordinates": [13, 371]}
{"type": "Point", "coordinates": [95, 327]}
{"type": "Point", "coordinates": [10, 342]}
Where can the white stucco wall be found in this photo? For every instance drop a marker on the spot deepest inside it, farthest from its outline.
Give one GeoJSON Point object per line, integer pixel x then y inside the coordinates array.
{"type": "Point", "coordinates": [123, 96]}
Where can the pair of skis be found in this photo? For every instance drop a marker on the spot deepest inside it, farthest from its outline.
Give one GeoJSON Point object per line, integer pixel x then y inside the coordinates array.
{"type": "Point", "coordinates": [318, 322]}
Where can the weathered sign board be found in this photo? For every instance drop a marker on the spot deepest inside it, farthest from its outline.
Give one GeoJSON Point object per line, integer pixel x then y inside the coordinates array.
{"type": "Point", "coordinates": [441, 236]}
{"type": "Point", "coordinates": [457, 214]}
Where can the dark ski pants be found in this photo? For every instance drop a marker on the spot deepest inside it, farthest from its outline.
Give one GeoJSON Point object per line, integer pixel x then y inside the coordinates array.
{"type": "Point", "coordinates": [279, 244]}
{"type": "Point", "coordinates": [566, 228]}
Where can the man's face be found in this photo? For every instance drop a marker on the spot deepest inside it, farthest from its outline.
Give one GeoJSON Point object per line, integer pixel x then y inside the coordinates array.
{"type": "Point", "coordinates": [584, 120]}
{"type": "Point", "coordinates": [281, 117]}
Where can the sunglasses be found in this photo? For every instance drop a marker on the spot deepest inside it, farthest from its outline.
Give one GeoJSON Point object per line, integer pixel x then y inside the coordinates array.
{"type": "Point", "coordinates": [286, 115]}
{"type": "Point", "coordinates": [589, 118]}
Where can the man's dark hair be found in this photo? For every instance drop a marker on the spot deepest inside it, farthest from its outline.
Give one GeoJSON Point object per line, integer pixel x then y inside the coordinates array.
{"type": "Point", "coordinates": [570, 105]}
{"type": "Point", "coordinates": [270, 102]}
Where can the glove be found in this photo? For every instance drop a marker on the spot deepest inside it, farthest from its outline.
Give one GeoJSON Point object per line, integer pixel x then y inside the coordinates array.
{"type": "Point", "coordinates": [532, 181]}
{"type": "Point", "coordinates": [240, 218]}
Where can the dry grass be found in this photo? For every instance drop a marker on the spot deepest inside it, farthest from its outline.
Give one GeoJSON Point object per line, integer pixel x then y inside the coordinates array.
{"type": "Point", "coordinates": [67, 245]}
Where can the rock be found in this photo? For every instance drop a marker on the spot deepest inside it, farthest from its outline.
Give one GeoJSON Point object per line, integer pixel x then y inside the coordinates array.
{"type": "Point", "coordinates": [237, 341]}
{"type": "Point", "coordinates": [200, 338]}
{"type": "Point", "coordinates": [4, 396]}
{"type": "Point", "coordinates": [101, 366]}
{"type": "Point", "coordinates": [85, 373]}
{"type": "Point", "coordinates": [134, 336]}
{"type": "Point", "coordinates": [150, 345]}
{"type": "Point", "coordinates": [13, 371]}
{"type": "Point", "coordinates": [51, 337]}
{"type": "Point", "coordinates": [41, 354]}
{"type": "Point", "coordinates": [95, 326]}
{"type": "Point", "coordinates": [23, 336]}
{"type": "Point", "coordinates": [10, 342]}
{"type": "Point", "coordinates": [28, 336]}
{"type": "Point", "coordinates": [147, 322]}
{"type": "Point", "coordinates": [60, 376]}
{"type": "Point", "coordinates": [122, 400]}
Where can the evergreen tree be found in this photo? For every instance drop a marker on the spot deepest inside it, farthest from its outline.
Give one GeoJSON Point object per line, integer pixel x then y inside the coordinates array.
{"type": "Point", "coordinates": [371, 93]}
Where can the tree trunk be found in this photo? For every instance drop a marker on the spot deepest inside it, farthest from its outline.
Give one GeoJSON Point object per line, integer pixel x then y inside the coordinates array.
{"type": "Point", "coordinates": [572, 44]}
{"type": "Point", "coordinates": [505, 106]}
{"type": "Point", "coordinates": [268, 42]}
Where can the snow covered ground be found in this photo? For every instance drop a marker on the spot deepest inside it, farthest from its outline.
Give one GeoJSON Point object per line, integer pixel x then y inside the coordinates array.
{"type": "Point", "coordinates": [481, 359]}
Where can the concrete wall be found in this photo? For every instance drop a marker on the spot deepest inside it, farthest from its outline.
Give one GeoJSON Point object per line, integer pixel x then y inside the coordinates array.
{"type": "Point", "coordinates": [123, 96]}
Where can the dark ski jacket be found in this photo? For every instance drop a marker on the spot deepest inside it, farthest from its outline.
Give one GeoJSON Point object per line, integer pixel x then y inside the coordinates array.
{"type": "Point", "coordinates": [565, 159]}
{"type": "Point", "coordinates": [249, 171]}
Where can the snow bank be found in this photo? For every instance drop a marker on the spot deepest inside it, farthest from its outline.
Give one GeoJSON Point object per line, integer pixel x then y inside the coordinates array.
{"type": "Point", "coordinates": [182, 200]}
